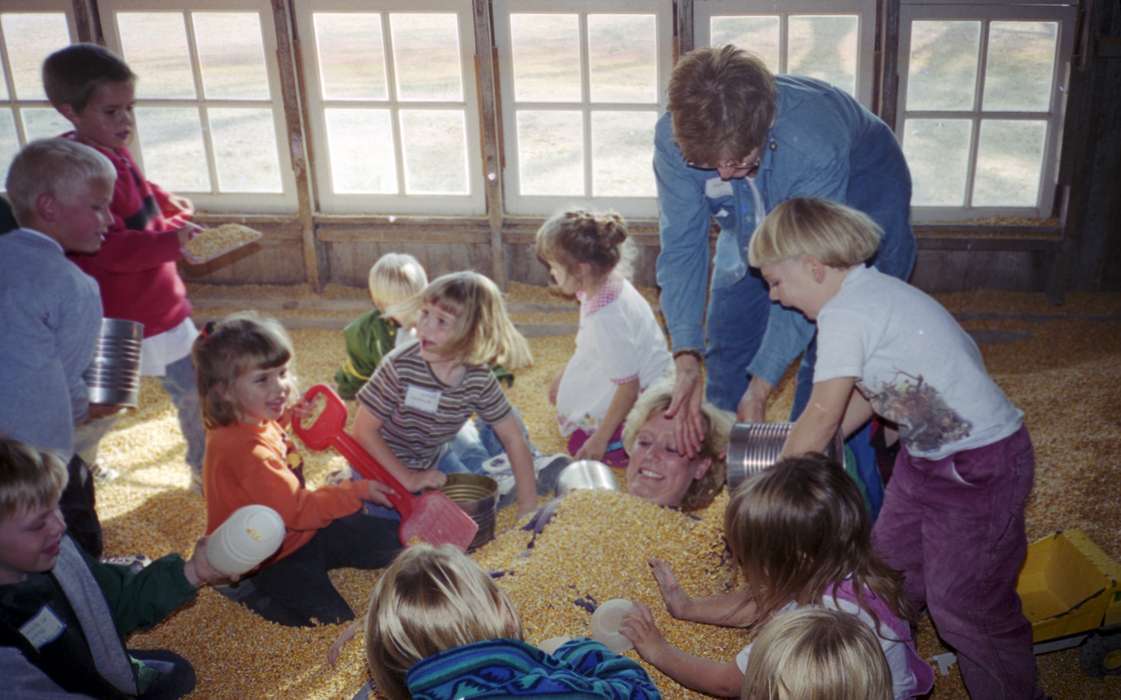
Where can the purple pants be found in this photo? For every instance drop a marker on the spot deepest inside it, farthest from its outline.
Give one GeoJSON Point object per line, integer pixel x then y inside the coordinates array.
{"type": "Point", "coordinates": [955, 528]}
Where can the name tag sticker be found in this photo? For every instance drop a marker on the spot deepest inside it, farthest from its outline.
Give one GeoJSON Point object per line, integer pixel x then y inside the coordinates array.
{"type": "Point", "coordinates": [426, 400]}
{"type": "Point", "coordinates": [42, 629]}
{"type": "Point", "coordinates": [715, 188]}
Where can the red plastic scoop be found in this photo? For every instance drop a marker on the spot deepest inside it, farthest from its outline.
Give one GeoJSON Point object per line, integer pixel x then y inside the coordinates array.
{"type": "Point", "coordinates": [431, 516]}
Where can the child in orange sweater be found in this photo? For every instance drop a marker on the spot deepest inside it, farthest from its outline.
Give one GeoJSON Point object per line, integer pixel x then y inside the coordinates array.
{"type": "Point", "coordinates": [245, 388]}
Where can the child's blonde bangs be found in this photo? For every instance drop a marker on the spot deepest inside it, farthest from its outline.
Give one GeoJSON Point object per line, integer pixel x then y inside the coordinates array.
{"type": "Point", "coordinates": [29, 478]}
{"type": "Point", "coordinates": [834, 234]}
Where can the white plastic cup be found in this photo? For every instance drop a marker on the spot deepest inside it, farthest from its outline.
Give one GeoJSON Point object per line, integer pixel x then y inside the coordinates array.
{"type": "Point", "coordinates": [606, 621]}
{"type": "Point", "coordinates": [249, 536]}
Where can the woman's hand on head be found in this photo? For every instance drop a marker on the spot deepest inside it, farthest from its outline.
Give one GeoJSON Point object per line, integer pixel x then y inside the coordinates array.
{"type": "Point", "coordinates": [676, 599]}
{"type": "Point", "coordinates": [685, 407]}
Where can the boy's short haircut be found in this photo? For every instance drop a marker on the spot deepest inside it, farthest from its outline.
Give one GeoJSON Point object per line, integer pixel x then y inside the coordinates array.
{"type": "Point", "coordinates": [816, 653]}
{"type": "Point", "coordinates": [225, 349]}
{"type": "Point", "coordinates": [29, 478]}
{"type": "Point", "coordinates": [53, 166]}
{"type": "Point", "coordinates": [722, 104]}
{"type": "Point", "coordinates": [718, 427]}
{"type": "Point", "coordinates": [394, 278]}
{"type": "Point", "coordinates": [431, 599]}
{"type": "Point", "coordinates": [72, 74]}
{"type": "Point", "coordinates": [838, 236]}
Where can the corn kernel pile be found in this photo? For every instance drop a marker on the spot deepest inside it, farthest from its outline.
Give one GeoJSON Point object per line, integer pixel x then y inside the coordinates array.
{"type": "Point", "coordinates": [211, 243]}
{"type": "Point", "coordinates": [1066, 376]}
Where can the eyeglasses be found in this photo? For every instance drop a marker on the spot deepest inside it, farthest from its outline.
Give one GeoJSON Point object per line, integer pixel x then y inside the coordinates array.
{"type": "Point", "coordinates": [748, 163]}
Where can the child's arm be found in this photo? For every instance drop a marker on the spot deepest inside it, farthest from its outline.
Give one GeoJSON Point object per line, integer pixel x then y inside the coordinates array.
{"type": "Point", "coordinates": [621, 403]}
{"type": "Point", "coordinates": [509, 432]}
{"type": "Point", "coordinates": [126, 250]}
{"type": "Point", "coordinates": [704, 675]}
{"type": "Point", "coordinates": [345, 636]}
{"type": "Point", "coordinates": [367, 431]}
{"type": "Point", "coordinates": [822, 417]}
{"type": "Point", "coordinates": [554, 387]}
{"type": "Point", "coordinates": [731, 609]}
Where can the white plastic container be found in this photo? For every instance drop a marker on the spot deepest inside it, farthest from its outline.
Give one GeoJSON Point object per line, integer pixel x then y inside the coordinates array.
{"type": "Point", "coordinates": [550, 645]}
{"type": "Point", "coordinates": [248, 537]}
{"type": "Point", "coordinates": [606, 621]}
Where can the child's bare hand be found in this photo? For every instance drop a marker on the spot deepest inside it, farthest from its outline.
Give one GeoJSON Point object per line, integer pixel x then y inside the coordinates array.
{"type": "Point", "coordinates": [302, 408]}
{"type": "Point", "coordinates": [674, 596]}
{"type": "Point", "coordinates": [378, 492]}
{"type": "Point", "coordinates": [554, 388]}
{"type": "Point", "coordinates": [345, 636]}
{"type": "Point", "coordinates": [198, 570]}
{"type": "Point", "coordinates": [639, 627]}
{"type": "Point", "coordinates": [593, 447]}
{"type": "Point", "coordinates": [185, 206]}
{"type": "Point", "coordinates": [186, 232]}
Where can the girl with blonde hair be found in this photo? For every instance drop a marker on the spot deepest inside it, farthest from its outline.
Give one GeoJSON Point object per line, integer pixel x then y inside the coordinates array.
{"type": "Point", "coordinates": [422, 394]}
{"type": "Point", "coordinates": [439, 628]}
{"type": "Point", "coordinates": [800, 536]}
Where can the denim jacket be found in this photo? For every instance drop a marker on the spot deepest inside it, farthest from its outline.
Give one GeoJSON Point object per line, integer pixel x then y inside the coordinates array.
{"type": "Point", "coordinates": [822, 143]}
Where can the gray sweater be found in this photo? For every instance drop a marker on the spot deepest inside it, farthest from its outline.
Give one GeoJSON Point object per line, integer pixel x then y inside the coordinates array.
{"type": "Point", "coordinates": [50, 313]}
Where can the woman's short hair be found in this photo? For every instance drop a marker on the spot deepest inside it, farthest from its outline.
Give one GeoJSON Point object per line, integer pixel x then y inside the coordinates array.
{"type": "Point", "coordinates": [718, 426]}
{"type": "Point", "coordinates": [838, 236]}
{"type": "Point", "coordinates": [394, 278]}
{"type": "Point", "coordinates": [53, 166]}
{"type": "Point", "coordinates": [819, 654]}
{"type": "Point", "coordinates": [721, 103]}
{"type": "Point", "coordinates": [239, 343]}
{"type": "Point", "coordinates": [29, 478]}
{"type": "Point", "coordinates": [431, 599]}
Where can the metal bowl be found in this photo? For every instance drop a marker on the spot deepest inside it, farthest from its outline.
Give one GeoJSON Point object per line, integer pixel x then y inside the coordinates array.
{"type": "Point", "coordinates": [586, 474]}
{"type": "Point", "coordinates": [477, 495]}
{"type": "Point", "coordinates": [752, 447]}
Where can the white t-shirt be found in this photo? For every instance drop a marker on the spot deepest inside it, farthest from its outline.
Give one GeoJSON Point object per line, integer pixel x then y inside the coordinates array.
{"type": "Point", "coordinates": [902, 679]}
{"type": "Point", "coordinates": [159, 351]}
{"type": "Point", "coordinates": [619, 340]}
{"type": "Point", "coordinates": [913, 363]}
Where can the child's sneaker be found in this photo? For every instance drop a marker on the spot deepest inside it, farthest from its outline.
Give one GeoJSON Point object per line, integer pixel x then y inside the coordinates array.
{"type": "Point", "coordinates": [196, 483]}
{"type": "Point", "coordinates": [499, 469]}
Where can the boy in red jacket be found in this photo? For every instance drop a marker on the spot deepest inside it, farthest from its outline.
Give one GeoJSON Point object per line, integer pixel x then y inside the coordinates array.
{"type": "Point", "coordinates": [136, 266]}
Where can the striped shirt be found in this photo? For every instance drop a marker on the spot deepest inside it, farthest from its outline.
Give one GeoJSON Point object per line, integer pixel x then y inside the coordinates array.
{"type": "Point", "coordinates": [420, 413]}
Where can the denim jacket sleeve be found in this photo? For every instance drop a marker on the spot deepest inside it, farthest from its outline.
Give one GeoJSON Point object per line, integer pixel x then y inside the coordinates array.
{"type": "Point", "coordinates": [683, 263]}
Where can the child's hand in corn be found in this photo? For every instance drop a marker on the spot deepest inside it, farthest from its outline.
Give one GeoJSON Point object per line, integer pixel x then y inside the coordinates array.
{"type": "Point", "coordinates": [427, 479]}
{"type": "Point", "coordinates": [638, 626]}
{"type": "Point", "coordinates": [675, 597]}
{"type": "Point", "coordinates": [345, 636]}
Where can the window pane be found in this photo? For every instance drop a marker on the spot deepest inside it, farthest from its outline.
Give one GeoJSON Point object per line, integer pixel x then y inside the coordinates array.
{"type": "Point", "coordinates": [171, 141]}
{"type": "Point", "coordinates": [943, 66]}
{"type": "Point", "coordinates": [759, 35]}
{"type": "Point", "coordinates": [426, 57]}
{"type": "Point", "coordinates": [43, 123]}
{"type": "Point", "coordinates": [360, 145]}
{"type": "Point", "coordinates": [937, 151]}
{"type": "Point", "coordinates": [1020, 66]}
{"type": "Point", "coordinates": [825, 48]}
{"type": "Point", "coordinates": [31, 37]}
{"type": "Point", "coordinates": [155, 46]}
{"type": "Point", "coordinates": [245, 149]}
{"type": "Point", "coordinates": [9, 142]}
{"type": "Point", "coordinates": [435, 144]}
{"type": "Point", "coordinates": [550, 152]}
{"type": "Point", "coordinates": [1009, 158]}
{"type": "Point", "coordinates": [231, 55]}
{"type": "Point", "coordinates": [621, 153]}
{"type": "Point", "coordinates": [623, 58]}
{"type": "Point", "coordinates": [351, 56]}
{"type": "Point", "coordinates": [545, 50]}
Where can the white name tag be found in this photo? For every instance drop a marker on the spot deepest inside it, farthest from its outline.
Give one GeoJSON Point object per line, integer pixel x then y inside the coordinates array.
{"type": "Point", "coordinates": [427, 400]}
{"type": "Point", "coordinates": [42, 629]}
{"type": "Point", "coordinates": [715, 188]}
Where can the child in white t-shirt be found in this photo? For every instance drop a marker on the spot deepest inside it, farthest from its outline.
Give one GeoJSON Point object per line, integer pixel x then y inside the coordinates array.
{"type": "Point", "coordinates": [620, 348]}
{"type": "Point", "coordinates": [953, 515]}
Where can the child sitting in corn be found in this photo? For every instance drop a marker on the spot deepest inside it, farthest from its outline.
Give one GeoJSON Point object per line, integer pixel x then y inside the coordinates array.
{"type": "Point", "coordinates": [439, 627]}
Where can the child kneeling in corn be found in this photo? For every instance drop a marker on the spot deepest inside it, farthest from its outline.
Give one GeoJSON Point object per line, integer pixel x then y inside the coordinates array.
{"type": "Point", "coordinates": [953, 515]}
{"type": "Point", "coordinates": [63, 614]}
{"type": "Point", "coordinates": [439, 627]}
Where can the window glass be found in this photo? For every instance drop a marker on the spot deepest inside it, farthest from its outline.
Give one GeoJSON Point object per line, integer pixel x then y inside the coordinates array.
{"type": "Point", "coordinates": [759, 35]}
{"type": "Point", "coordinates": [550, 152]}
{"type": "Point", "coordinates": [426, 57]}
{"type": "Point", "coordinates": [621, 144]}
{"type": "Point", "coordinates": [1009, 159]}
{"type": "Point", "coordinates": [360, 143]}
{"type": "Point", "coordinates": [622, 58]}
{"type": "Point", "coordinates": [435, 145]}
{"type": "Point", "coordinates": [942, 73]}
{"type": "Point", "coordinates": [231, 55]}
{"type": "Point", "coordinates": [1020, 66]}
{"type": "Point", "coordinates": [155, 46]}
{"type": "Point", "coordinates": [174, 153]}
{"type": "Point", "coordinates": [30, 37]}
{"type": "Point", "coordinates": [351, 56]}
{"type": "Point", "coordinates": [43, 123]}
{"type": "Point", "coordinates": [242, 164]}
{"type": "Point", "coordinates": [824, 47]}
{"type": "Point", "coordinates": [546, 56]}
{"type": "Point", "coordinates": [937, 152]}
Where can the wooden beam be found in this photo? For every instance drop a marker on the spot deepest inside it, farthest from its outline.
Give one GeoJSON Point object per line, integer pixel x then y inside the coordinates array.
{"type": "Point", "coordinates": [888, 105]}
{"type": "Point", "coordinates": [88, 22]}
{"type": "Point", "coordinates": [490, 128]}
{"type": "Point", "coordinates": [290, 89]}
{"type": "Point", "coordinates": [683, 28]}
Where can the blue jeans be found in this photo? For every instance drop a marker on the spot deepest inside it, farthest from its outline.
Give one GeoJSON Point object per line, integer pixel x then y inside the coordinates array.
{"type": "Point", "coordinates": [181, 384]}
{"type": "Point", "coordinates": [737, 317]}
{"type": "Point", "coordinates": [475, 443]}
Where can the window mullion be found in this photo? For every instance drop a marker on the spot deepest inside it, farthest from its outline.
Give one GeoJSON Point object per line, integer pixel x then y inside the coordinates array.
{"type": "Point", "coordinates": [200, 102]}
{"type": "Point", "coordinates": [978, 99]}
{"type": "Point", "coordinates": [394, 102]}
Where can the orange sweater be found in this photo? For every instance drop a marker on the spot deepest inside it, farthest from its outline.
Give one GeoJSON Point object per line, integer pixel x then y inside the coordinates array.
{"type": "Point", "coordinates": [259, 464]}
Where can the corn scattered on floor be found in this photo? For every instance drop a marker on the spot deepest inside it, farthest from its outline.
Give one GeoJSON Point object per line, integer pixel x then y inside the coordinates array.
{"type": "Point", "coordinates": [1064, 370]}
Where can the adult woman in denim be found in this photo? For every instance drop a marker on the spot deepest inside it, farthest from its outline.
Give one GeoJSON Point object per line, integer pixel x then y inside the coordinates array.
{"type": "Point", "coordinates": [734, 143]}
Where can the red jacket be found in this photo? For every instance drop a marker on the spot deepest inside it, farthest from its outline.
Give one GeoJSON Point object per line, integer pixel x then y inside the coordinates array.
{"type": "Point", "coordinates": [135, 267]}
